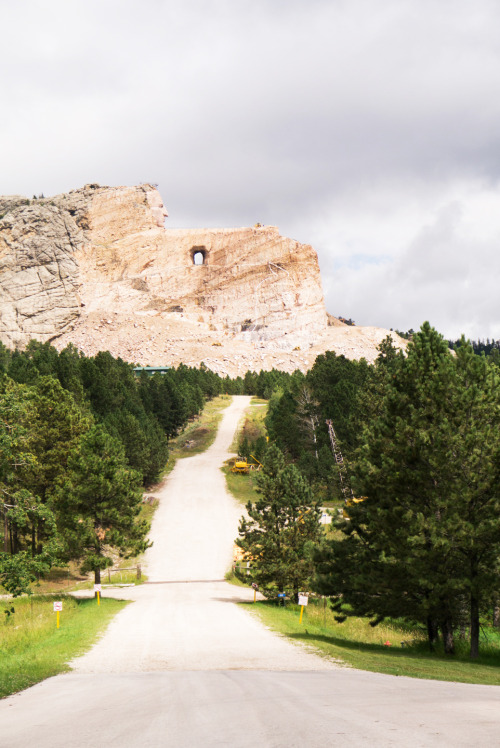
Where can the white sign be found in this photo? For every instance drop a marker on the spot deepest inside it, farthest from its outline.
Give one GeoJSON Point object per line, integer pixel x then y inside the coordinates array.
{"type": "Point", "coordinates": [97, 588]}
{"type": "Point", "coordinates": [57, 606]}
{"type": "Point", "coordinates": [303, 599]}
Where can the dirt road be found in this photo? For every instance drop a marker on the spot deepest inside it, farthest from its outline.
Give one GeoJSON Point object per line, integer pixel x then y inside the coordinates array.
{"type": "Point", "coordinates": [184, 666]}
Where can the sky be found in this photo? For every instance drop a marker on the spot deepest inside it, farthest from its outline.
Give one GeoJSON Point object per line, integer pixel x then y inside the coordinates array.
{"type": "Point", "coordinates": [367, 128]}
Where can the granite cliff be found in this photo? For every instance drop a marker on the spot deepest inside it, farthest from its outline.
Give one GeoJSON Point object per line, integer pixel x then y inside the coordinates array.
{"type": "Point", "coordinates": [96, 267]}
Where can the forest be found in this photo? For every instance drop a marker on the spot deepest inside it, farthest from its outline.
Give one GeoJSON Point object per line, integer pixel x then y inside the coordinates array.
{"type": "Point", "coordinates": [80, 438]}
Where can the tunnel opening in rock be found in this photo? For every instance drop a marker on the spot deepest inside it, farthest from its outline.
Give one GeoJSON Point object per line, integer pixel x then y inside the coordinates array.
{"type": "Point", "coordinates": [199, 255]}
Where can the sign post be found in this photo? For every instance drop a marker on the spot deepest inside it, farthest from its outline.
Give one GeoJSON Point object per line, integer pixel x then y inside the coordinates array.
{"type": "Point", "coordinates": [98, 589]}
{"type": "Point", "coordinates": [57, 609]}
{"type": "Point", "coordinates": [303, 600]}
{"type": "Point", "coordinates": [255, 588]}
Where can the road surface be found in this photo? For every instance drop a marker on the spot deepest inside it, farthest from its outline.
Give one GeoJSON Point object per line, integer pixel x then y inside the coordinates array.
{"type": "Point", "coordinates": [184, 666]}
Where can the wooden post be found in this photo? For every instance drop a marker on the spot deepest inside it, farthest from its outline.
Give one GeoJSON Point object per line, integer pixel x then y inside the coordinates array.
{"type": "Point", "coordinates": [5, 530]}
{"type": "Point", "coordinates": [139, 571]}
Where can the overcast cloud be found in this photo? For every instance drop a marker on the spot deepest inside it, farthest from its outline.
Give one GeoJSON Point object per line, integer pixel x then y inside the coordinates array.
{"type": "Point", "coordinates": [367, 128]}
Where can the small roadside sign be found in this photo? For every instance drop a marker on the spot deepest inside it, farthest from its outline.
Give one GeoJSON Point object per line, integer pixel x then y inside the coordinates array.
{"type": "Point", "coordinates": [302, 602]}
{"type": "Point", "coordinates": [97, 588]}
{"type": "Point", "coordinates": [57, 610]}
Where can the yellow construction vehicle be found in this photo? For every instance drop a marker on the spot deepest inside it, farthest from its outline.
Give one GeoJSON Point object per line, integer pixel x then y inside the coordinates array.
{"type": "Point", "coordinates": [243, 467]}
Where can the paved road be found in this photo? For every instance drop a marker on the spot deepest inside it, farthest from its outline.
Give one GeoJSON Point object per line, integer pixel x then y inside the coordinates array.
{"type": "Point", "coordinates": [184, 666]}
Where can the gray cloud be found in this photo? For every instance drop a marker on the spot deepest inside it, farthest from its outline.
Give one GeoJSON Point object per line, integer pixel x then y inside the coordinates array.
{"type": "Point", "coordinates": [355, 126]}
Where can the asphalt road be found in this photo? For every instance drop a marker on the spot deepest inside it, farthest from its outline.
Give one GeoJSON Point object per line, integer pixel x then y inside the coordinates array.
{"type": "Point", "coordinates": [184, 666]}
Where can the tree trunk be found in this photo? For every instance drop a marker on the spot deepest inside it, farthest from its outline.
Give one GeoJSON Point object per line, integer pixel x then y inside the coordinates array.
{"type": "Point", "coordinates": [447, 632]}
{"type": "Point", "coordinates": [474, 626]}
{"type": "Point", "coordinates": [97, 579]}
{"type": "Point", "coordinates": [432, 632]}
{"type": "Point", "coordinates": [496, 615]}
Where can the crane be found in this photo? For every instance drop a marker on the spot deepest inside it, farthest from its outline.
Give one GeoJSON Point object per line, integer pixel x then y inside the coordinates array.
{"type": "Point", "coordinates": [345, 485]}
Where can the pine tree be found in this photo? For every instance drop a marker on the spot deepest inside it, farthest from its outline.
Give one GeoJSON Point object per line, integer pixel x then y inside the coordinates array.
{"type": "Point", "coordinates": [281, 529]}
{"type": "Point", "coordinates": [97, 503]}
{"type": "Point", "coordinates": [425, 543]}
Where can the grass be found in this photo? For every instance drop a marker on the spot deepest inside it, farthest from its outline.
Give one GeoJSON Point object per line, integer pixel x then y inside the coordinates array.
{"type": "Point", "coordinates": [231, 577]}
{"type": "Point", "coordinates": [200, 434]}
{"type": "Point", "coordinates": [242, 486]}
{"type": "Point", "coordinates": [252, 424]}
{"type": "Point", "coordinates": [355, 643]}
{"type": "Point", "coordinates": [34, 649]}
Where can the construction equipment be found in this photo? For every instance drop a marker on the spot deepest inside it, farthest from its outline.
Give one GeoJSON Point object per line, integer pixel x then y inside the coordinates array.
{"type": "Point", "coordinates": [345, 486]}
{"type": "Point", "coordinates": [243, 467]}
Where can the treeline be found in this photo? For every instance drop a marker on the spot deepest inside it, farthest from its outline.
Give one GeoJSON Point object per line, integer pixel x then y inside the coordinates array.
{"type": "Point", "coordinates": [420, 435]}
{"type": "Point", "coordinates": [142, 413]}
{"type": "Point", "coordinates": [490, 348]}
{"type": "Point", "coordinates": [299, 406]}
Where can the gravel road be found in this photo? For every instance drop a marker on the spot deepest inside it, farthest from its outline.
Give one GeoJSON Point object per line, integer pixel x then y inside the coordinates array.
{"type": "Point", "coordinates": [184, 666]}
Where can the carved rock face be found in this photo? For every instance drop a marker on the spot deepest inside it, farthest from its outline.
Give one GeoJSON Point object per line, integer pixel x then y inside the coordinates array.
{"type": "Point", "coordinates": [104, 250]}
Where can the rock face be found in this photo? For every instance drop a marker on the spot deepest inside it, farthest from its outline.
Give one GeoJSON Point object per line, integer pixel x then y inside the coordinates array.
{"type": "Point", "coordinates": [39, 277]}
{"type": "Point", "coordinates": [105, 250]}
{"type": "Point", "coordinates": [96, 267]}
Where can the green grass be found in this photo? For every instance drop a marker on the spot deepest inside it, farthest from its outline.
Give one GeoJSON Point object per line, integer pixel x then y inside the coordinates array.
{"type": "Point", "coordinates": [233, 579]}
{"type": "Point", "coordinates": [34, 649]}
{"type": "Point", "coordinates": [241, 486]}
{"type": "Point", "coordinates": [251, 426]}
{"type": "Point", "coordinates": [199, 434]}
{"type": "Point", "coordinates": [252, 423]}
{"type": "Point", "coordinates": [355, 643]}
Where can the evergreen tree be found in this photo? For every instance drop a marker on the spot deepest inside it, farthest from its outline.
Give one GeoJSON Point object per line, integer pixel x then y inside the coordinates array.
{"type": "Point", "coordinates": [97, 503]}
{"type": "Point", "coordinates": [23, 513]}
{"type": "Point", "coordinates": [55, 423]}
{"type": "Point", "coordinates": [281, 528]}
{"type": "Point", "coordinates": [425, 543]}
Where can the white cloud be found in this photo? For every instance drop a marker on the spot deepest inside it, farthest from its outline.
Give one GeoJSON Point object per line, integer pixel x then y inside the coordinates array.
{"type": "Point", "coordinates": [447, 272]}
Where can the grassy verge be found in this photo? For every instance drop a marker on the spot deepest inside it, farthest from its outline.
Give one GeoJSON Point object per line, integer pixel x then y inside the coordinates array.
{"type": "Point", "coordinates": [34, 649]}
{"type": "Point", "coordinates": [233, 579]}
{"type": "Point", "coordinates": [357, 644]}
{"type": "Point", "coordinates": [200, 434]}
{"type": "Point", "coordinates": [242, 487]}
{"type": "Point", "coordinates": [252, 426]}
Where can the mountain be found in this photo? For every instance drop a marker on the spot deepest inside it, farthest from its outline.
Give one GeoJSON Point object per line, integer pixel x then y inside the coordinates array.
{"type": "Point", "coordinates": [97, 267]}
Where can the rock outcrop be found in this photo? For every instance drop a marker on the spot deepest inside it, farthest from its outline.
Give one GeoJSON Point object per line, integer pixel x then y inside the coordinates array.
{"type": "Point", "coordinates": [107, 249]}
{"type": "Point", "coordinates": [96, 267]}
